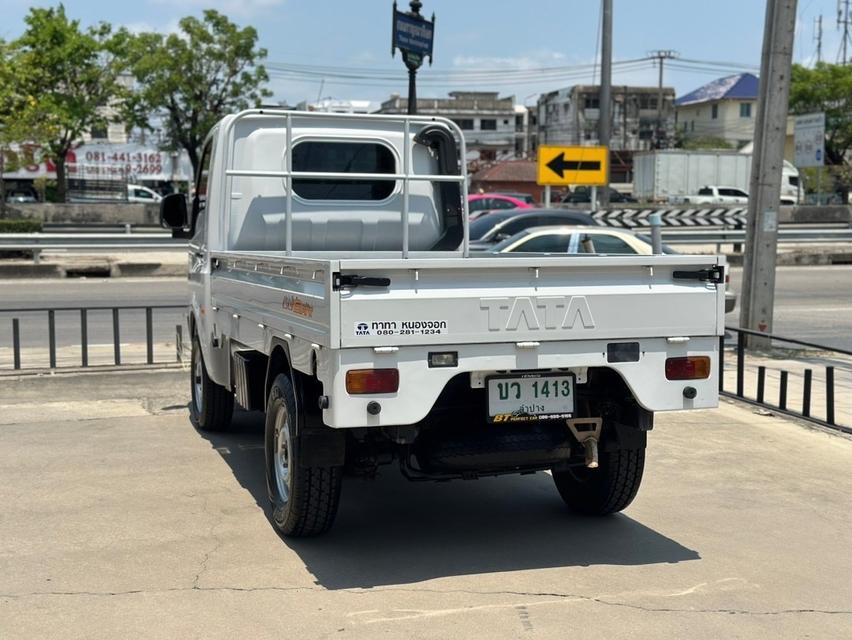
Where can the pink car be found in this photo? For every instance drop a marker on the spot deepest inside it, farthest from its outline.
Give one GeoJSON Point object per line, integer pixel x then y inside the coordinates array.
{"type": "Point", "coordinates": [478, 203]}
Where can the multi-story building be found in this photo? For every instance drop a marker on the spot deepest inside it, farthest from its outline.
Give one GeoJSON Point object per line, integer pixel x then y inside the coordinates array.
{"type": "Point", "coordinates": [493, 128]}
{"type": "Point", "coordinates": [724, 108]}
{"type": "Point", "coordinates": [571, 116]}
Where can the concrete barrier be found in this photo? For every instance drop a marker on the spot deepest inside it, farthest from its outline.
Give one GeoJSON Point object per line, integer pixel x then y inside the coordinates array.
{"type": "Point", "coordinates": [816, 214]}
{"type": "Point", "coordinates": [86, 212]}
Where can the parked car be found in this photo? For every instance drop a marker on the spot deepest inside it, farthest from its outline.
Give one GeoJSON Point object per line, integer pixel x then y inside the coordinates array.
{"type": "Point", "coordinates": [582, 195]}
{"type": "Point", "coordinates": [20, 198]}
{"type": "Point", "coordinates": [520, 196]}
{"type": "Point", "coordinates": [572, 240]}
{"type": "Point", "coordinates": [138, 193]}
{"type": "Point", "coordinates": [488, 230]}
{"type": "Point", "coordinates": [478, 203]}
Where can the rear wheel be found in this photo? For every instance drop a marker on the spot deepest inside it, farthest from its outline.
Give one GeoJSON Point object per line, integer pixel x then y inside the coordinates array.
{"type": "Point", "coordinates": [212, 405]}
{"type": "Point", "coordinates": [605, 490]}
{"type": "Point", "coordinates": [304, 499]}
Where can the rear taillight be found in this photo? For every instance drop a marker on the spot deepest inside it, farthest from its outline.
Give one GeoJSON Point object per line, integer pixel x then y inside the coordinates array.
{"type": "Point", "coordinates": [689, 368]}
{"type": "Point", "coordinates": [362, 381]}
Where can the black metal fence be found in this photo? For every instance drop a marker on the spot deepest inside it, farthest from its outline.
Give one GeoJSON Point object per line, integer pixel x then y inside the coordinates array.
{"type": "Point", "coordinates": [76, 329]}
{"type": "Point", "coordinates": [824, 359]}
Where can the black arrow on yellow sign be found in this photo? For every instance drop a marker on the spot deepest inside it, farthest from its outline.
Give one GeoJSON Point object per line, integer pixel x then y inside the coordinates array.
{"type": "Point", "coordinates": [559, 165]}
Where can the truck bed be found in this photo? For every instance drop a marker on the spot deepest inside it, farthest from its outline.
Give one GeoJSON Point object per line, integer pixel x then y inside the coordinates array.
{"type": "Point", "coordinates": [475, 300]}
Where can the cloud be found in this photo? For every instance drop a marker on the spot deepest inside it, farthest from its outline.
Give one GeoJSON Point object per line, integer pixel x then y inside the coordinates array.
{"type": "Point", "coordinates": [235, 8]}
{"type": "Point", "coordinates": [533, 60]}
{"type": "Point", "coordinates": [146, 27]}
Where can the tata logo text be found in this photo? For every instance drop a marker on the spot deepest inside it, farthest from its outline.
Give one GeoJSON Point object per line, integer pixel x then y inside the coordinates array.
{"type": "Point", "coordinates": [546, 312]}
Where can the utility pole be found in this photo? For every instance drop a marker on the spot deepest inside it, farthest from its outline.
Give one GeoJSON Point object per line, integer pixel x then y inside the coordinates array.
{"type": "Point", "coordinates": [605, 94]}
{"type": "Point", "coordinates": [844, 22]}
{"type": "Point", "coordinates": [818, 38]}
{"type": "Point", "coordinates": [761, 245]}
{"type": "Point", "coordinates": [661, 55]}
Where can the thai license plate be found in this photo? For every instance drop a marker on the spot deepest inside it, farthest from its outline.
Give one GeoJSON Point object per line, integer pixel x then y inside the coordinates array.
{"type": "Point", "coordinates": [530, 397]}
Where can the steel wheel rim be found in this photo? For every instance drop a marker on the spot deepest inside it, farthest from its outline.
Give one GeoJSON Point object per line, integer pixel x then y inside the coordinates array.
{"type": "Point", "coordinates": [281, 453]}
{"type": "Point", "coordinates": [197, 380]}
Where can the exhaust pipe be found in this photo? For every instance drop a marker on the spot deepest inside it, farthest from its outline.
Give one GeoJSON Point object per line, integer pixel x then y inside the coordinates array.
{"type": "Point", "coordinates": [587, 431]}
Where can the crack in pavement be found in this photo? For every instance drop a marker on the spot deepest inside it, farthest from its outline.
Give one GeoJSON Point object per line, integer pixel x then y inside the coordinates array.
{"type": "Point", "coordinates": [559, 597]}
{"type": "Point", "coordinates": [202, 568]}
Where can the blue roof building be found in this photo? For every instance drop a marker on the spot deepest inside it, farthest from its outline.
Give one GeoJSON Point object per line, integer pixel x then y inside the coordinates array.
{"type": "Point", "coordinates": [724, 108]}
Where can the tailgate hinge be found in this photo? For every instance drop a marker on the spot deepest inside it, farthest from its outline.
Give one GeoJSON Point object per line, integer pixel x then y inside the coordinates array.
{"type": "Point", "coordinates": [716, 275]}
{"type": "Point", "coordinates": [341, 281]}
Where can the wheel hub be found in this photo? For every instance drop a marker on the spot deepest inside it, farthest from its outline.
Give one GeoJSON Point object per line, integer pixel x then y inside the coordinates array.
{"type": "Point", "coordinates": [281, 452]}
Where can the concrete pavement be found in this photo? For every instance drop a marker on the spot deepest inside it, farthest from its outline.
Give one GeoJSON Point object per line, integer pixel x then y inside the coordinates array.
{"type": "Point", "coordinates": [120, 520]}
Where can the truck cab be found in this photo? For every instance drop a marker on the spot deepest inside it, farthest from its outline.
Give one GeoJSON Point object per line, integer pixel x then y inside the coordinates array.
{"type": "Point", "coordinates": [333, 288]}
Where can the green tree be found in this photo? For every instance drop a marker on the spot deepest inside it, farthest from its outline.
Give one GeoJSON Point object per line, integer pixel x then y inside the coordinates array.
{"type": "Point", "coordinates": [193, 78]}
{"type": "Point", "coordinates": [703, 142]}
{"type": "Point", "coordinates": [11, 104]}
{"type": "Point", "coordinates": [828, 88]}
{"type": "Point", "coordinates": [72, 74]}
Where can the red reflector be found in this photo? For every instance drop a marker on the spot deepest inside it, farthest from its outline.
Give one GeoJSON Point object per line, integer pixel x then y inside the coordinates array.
{"type": "Point", "coordinates": [360, 381]}
{"type": "Point", "coordinates": [691, 368]}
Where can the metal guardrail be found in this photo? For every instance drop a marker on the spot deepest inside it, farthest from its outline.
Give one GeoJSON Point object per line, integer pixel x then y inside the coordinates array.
{"type": "Point", "coordinates": [17, 360]}
{"type": "Point", "coordinates": [737, 236]}
{"type": "Point", "coordinates": [784, 404]}
{"type": "Point", "coordinates": [160, 241]}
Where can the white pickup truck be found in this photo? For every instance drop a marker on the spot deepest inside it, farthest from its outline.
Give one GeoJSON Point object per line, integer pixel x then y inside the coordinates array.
{"type": "Point", "coordinates": [714, 195]}
{"type": "Point", "coordinates": [332, 287]}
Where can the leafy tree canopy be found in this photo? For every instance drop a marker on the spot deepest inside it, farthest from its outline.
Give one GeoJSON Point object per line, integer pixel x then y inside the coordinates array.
{"type": "Point", "coordinates": [195, 77]}
{"type": "Point", "coordinates": [66, 76]}
{"type": "Point", "coordinates": [827, 88]}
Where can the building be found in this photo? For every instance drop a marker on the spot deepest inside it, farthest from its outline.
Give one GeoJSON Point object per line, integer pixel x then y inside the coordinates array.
{"type": "Point", "coordinates": [512, 176]}
{"type": "Point", "coordinates": [115, 130]}
{"type": "Point", "coordinates": [570, 117]}
{"type": "Point", "coordinates": [490, 124]}
{"type": "Point", "coordinates": [724, 108]}
{"type": "Point", "coordinates": [335, 105]}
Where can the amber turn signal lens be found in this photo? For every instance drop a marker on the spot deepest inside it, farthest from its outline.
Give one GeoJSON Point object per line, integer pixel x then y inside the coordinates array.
{"type": "Point", "coordinates": [362, 381]}
{"type": "Point", "coordinates": [690, 368]}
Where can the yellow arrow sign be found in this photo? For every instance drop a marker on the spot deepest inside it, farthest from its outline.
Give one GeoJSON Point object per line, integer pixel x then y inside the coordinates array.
{"type": "Point", "coordinates": [560, 166]}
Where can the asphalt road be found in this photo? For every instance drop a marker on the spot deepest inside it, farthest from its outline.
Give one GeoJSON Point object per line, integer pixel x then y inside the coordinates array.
{"type": "Point", "coordinates": [119, 520]}
{"type": "Point", "coordinates": [813, 303]}
{"type": "Point", "coordinates": [94, 292]}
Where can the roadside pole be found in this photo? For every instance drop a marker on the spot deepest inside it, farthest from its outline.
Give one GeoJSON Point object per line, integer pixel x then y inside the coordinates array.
{"type": "Point", "coordinates": [761, 246]}
{"type": "Point", "coordinates": [547, 197]}
{"type": "Point", "coordinates": [605, 96]}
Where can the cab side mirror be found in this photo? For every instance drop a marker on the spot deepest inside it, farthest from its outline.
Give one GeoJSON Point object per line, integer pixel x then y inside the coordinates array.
{"type": "Point", "coordinates": [173, 213]}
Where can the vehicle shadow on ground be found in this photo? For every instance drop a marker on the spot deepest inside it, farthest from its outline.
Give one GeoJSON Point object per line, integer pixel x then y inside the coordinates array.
{"type": "Point", "coordinates": [390, 531]}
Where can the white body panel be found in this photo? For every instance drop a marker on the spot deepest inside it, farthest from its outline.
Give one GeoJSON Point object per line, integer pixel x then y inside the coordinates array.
{"type": "Point", "coordinates": [498, 313]}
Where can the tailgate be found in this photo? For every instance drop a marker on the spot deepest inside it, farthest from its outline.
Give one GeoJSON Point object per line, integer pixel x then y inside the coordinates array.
{"type": "Point", "coordinates": [507, 299]}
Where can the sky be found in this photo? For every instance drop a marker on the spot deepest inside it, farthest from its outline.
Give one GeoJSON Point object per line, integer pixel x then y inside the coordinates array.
{"type": "Point", "coordinates": [475, 36]}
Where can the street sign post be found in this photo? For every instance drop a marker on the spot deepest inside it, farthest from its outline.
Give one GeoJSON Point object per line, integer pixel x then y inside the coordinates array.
{"type": "Point", "coordinates": [809, 136]}
{"type": "Point", "coordinates": [564, 166]}
{"type": "Point", "coordinates": [413, 35]}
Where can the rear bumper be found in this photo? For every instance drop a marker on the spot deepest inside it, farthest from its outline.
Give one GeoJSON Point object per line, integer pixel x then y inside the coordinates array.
{"type": "Point", "coordinates": [420, 385]}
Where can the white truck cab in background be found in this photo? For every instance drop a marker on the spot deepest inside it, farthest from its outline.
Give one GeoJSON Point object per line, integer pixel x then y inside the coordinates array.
{"type": "Point", "coordinates": [332, 287]}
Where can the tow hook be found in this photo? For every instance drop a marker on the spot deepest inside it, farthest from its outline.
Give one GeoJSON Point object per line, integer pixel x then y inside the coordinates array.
{"type": "Point", "coordinates": [588, 432]}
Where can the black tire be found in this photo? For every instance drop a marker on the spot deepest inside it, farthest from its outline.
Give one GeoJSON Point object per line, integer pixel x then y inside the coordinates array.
{"type": "Point", "coordinates": [305, 502]}
{"type": "Point", "coordinates": [605, 490]}
{"type": "Point", "coordinates": [214, 409]}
